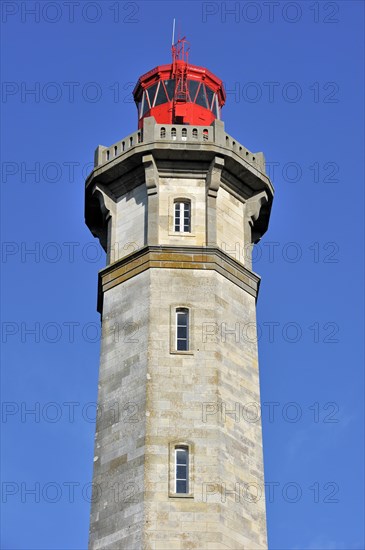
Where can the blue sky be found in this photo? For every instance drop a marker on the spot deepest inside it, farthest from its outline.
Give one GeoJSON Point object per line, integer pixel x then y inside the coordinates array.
{"type": "Point", "coordinates": [294, 76]}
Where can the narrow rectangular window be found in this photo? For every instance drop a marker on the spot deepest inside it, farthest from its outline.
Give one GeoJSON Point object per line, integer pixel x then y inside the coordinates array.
{"type": "Point", "coordinates": [182, 220]}
{"type": "Point", "coordinates": [177, 215]}
{"type": "Point", "coordinates": [182, 329]}
{"type": "Point", "coordinates": [181, 470]}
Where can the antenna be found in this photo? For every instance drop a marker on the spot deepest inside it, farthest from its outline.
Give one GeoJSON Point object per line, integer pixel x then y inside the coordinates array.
{"type": "Point", "coordinates": [173, 32]}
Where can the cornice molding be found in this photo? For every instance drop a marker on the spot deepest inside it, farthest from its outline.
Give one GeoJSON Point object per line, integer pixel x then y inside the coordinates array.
{"type": "Point", "coordinates": [177, 257]}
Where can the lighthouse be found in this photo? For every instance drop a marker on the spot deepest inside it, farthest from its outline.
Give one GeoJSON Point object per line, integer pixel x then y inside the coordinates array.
{"type": "Point", "coordinates": [178, 206]}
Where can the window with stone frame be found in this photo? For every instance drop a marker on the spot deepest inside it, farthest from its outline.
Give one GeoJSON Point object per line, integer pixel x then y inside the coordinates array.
{"type": "Point", "coordinates": [181, 469]}
{"type": "Point", "coordinates": [182, 216]}
{"type": "Point", "coordinates": [182, 329]}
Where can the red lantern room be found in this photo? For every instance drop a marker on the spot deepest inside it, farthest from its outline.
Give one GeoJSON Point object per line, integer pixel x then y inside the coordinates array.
{"type": "Point", "coordinates": [179, 93]}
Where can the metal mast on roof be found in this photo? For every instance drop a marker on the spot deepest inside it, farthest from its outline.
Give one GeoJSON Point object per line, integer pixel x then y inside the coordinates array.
{"type": "Point", "coordinates": [180, 60]}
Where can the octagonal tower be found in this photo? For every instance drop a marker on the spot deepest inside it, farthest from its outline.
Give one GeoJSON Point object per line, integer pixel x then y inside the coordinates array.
{"type": "Point", "coordinates": [177, 206]}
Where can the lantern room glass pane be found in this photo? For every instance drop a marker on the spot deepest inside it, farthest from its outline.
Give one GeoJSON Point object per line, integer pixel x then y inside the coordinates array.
{"type": "Point", "coordinates": [201, 97]}
{"type": "Point", "coordinates": [151, 92]}
{"type": "Point", "coordinates": [215, 106]}
{"type": "Point", "coordinates": [145, 106]}
{"type": "Point", "coordinates": [161, 96]}
{"type": "Point", "coordinates": [210, 95]}
{"type": "Point", "coordinates": [193, 88]}
{"type": "Point", "coordinates": [139, 107]}
{"type": "Point", "coordinates": [170, 88]}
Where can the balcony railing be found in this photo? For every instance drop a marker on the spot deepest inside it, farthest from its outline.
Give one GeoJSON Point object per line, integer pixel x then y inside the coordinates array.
{"type": "Point", "coordinates": [170, 133]}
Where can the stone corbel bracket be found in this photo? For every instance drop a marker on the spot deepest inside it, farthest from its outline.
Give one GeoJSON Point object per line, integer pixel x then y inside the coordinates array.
{"type": "Point", "coordinates": [213, 182]}
{"type": "Point", "coordinates": [253, 209]}
{"type": "Point", "coordinates": [214, 176]}
{"type": "Point", "coordinates": [151, 174]}
{"type": "Point", "coordinates": [106, 200]}
{"type": "Point", "coordinates": [152, 180]}
{"type": "Point", "coordinates": [107, 204]}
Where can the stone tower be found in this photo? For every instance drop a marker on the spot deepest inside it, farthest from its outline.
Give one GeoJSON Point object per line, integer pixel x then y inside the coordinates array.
{"type": "Point", "coordinates": [178, 205]}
